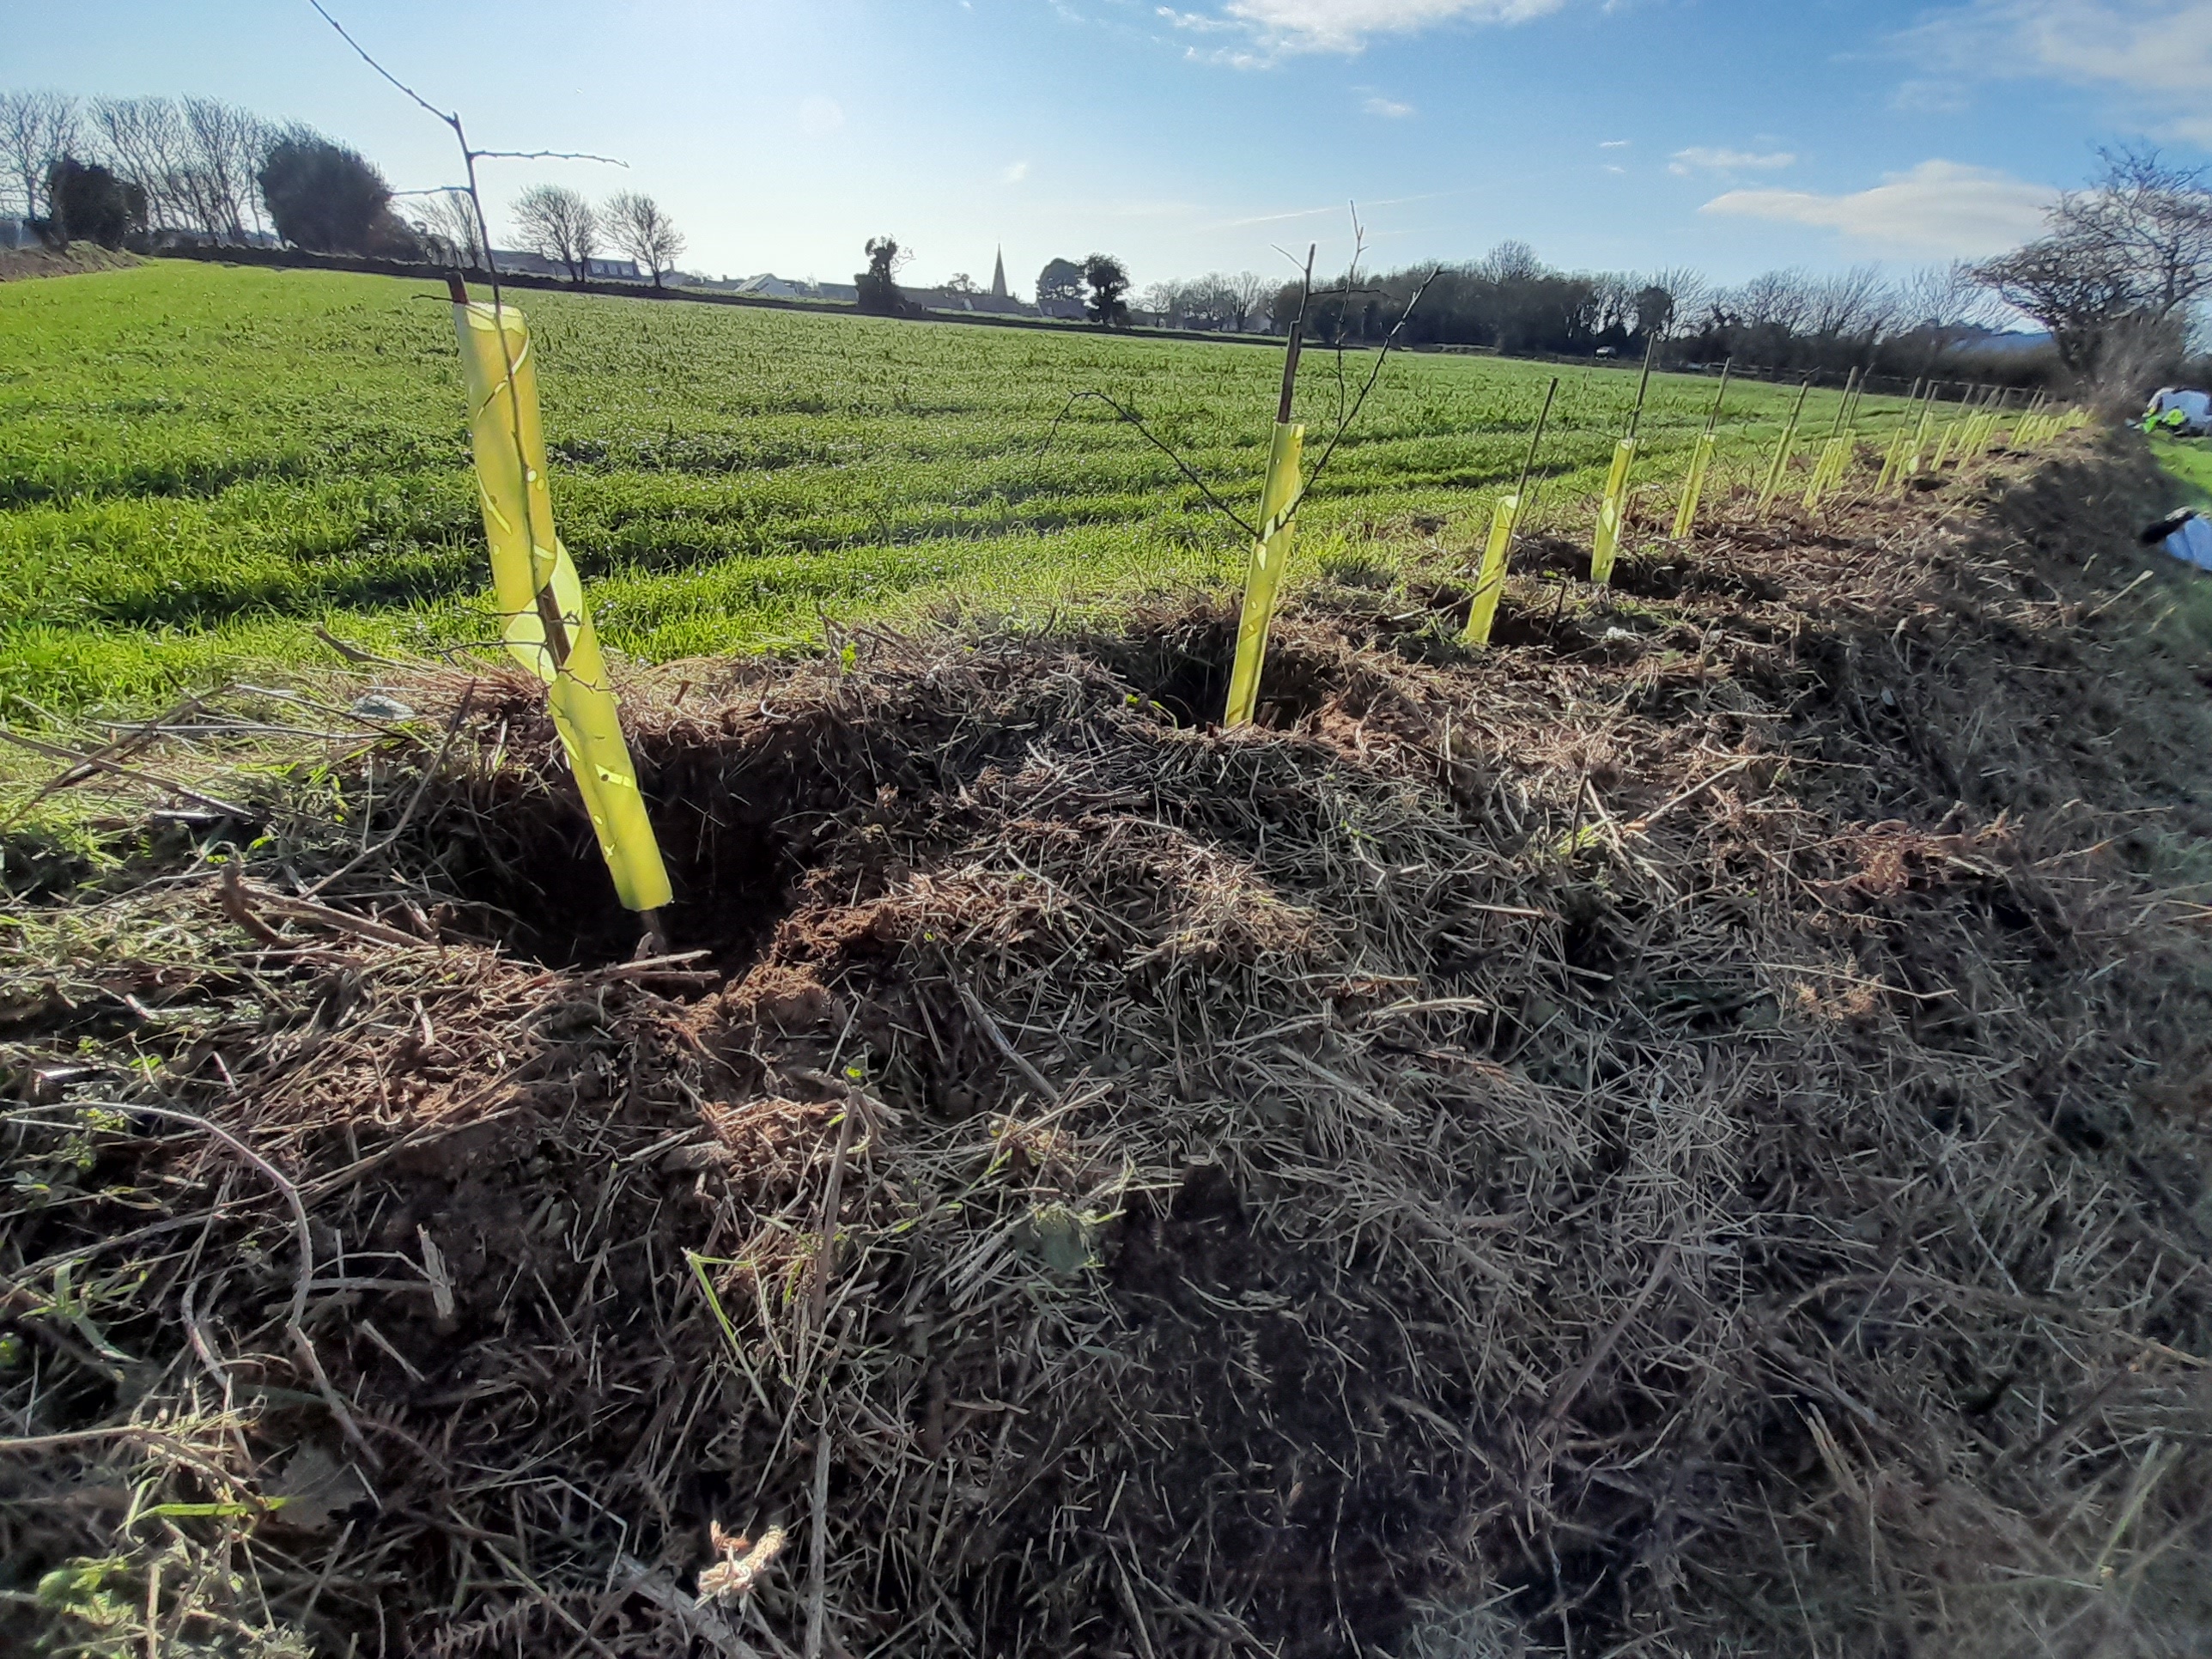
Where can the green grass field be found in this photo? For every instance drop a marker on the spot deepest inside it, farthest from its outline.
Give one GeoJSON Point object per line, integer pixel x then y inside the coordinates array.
{"type": "Point", "coordinates": [199, 464]}
{"type": "Point", "coordinates": [2189, 461]}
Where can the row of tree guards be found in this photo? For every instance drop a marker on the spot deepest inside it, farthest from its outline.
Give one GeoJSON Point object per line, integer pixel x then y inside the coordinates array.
{"type": "Point", "coordinates": [1969, 433]}
{"type": "Point", "coordinates": [548, 626]}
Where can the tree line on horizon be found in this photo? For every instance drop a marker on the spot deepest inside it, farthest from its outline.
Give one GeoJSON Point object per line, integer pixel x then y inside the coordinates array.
{"type": "Point", "coordinates": [133, 172]}
{"type": "Point", "coordinates": [1511, 301]}
{"type": "Point", "coordinates": [2118, 280]}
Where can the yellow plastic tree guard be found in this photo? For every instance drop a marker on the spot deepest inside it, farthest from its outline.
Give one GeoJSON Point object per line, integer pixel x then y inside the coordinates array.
{"type": "Point", "coordinates": [545, 624]}
{"type": "Point", "coordinates": [1834, 457]}
{"type": "Point", "coordinates": [1263, 578]}
{"type": "Point", "coordinates": [1490, 581]}
{"type": "Point", "coordinates": [1612, 512]}
{"type": "Point", "coordinates": [1779, 468]}
{"type": "Point", "coordinates": [1693, 487]}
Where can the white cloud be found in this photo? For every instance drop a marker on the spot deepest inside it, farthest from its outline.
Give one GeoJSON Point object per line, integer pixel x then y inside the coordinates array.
{"type": "Point", "coordinates": [1934, 96]}
{"type": "Point", "coordinates": [1390, 108]}
{"type": "Point", "coordinates": [1015, 174]}
{"type": "Point", "coordinates": [1939, 208]}
{"type": "Point", "coordinates": [1611, 167]}
{"type": "Point", "coordinates": [1615, 143]}
{"type": "Point", "coordinates": [2156, 52]}
{"type": "Point", "coordinates": [1698, 159]}
{"type": "Point", "coordinates": [819, 116]}
{"type": "Point", "coordinates": [1346, 25]}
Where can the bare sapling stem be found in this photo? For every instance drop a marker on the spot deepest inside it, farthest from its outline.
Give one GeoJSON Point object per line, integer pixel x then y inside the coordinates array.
{"type": "Point", "coordinates": [1536, 437]}
{"type": "Point", "coordinates": [1643, 386]}
{"type": "Point", "coordinates": [1713, 415]}
{"type": "Point", "coordinates": [1842, 407]}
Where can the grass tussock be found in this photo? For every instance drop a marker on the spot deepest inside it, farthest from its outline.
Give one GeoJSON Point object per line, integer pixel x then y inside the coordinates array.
{"type": "Point", "coordinates": [1683, 1132]}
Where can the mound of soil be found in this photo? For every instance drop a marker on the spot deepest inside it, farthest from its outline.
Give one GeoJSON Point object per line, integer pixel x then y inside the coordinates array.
{"type": "Point", "coordinates": [1683, 1132]}
{"type": "Point", "coordinates": [17, 263]}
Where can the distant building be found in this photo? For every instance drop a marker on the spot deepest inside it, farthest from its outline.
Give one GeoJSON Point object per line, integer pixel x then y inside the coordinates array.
{"type": "Point", "coordinates": [769, 286]}
{"type": "Point", "coordinates": [524, 263]}
{"type": "Point", "coordinates": [946, 298]}
{"type": "Point", "coordinates": [1000, 301]}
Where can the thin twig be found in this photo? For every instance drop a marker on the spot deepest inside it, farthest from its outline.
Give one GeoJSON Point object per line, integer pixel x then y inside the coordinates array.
{"type": "Point", "coordinates": [437, 764]}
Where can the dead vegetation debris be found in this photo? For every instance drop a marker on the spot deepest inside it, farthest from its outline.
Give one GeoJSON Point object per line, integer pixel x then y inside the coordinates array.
{"type": "Point", "coordinates": [1685, 1133]}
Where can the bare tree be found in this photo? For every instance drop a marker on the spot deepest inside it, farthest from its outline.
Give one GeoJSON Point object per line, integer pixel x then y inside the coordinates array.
{"type": "Point", "coordinates": [1781, 300]}
{"type": "Point", "coordinates": [145, 142]}
{"type": "Point", "coordinates": [226, 146]}
{"type": "Point", "coordinates": [1851, 306]}
{"type": "Point", "coordinates": [37, 129]}
{"type": "Point", "coordinates": [2122, 266]}
{"type": "Point", "coordinates": [446, 222]}
{"type": "Point", "coordinates": [557, 223]}
{"type": "Point", "coordinates": [1939, 306]}
{"type": "Point", "coordinates": [1166, 299]}
{"type": "Point", "coordinates": [635, 224]}
{"type": "Point", "coordinates": [2154, 220]}
{"type": "Point", "coordinates": [1687, 292]}
{"type": "Point", "coordinates": [1246, 291]}
{"type": "Point", "coordinates": [1511, 261]}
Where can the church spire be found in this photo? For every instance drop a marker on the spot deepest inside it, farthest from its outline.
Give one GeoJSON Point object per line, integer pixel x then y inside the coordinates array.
{"type": "Point", "coordinates": [999, 277]}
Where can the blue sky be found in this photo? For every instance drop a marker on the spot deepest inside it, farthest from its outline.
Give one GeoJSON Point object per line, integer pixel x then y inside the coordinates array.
{"type": "Point", "coordinates": [1732, 135]}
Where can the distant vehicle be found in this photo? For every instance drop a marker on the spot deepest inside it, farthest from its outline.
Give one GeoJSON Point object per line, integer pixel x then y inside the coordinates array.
{"type": "Point", "coordinates": [2179, 411]}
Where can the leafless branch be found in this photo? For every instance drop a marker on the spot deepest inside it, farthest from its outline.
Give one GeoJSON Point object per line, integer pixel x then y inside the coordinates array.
{"type": "Point", "coordinates": [546, 155]}
{"type": "Point", "coordinates": [1133, 418]}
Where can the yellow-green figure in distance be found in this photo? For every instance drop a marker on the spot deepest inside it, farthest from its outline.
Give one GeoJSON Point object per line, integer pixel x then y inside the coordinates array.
{"type": "Point", "coordinates": [1489, 582]}
{"type": "Point", "coordinates": [546, 626]}
{"type": "Point", "coordinates": [1613, 511]}
{"type": "Point", "coordinates": [1264, 578]}
{"type": "Point", "coordinates": [1701, 462]}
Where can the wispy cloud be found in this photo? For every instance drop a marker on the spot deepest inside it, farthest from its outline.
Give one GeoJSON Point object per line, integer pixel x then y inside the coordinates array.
{"type": "Point", "coordinates": [1933, 95]}
{"type": "Point", "coordinates": [1940, 208]}
{"type": "Point", "coordinates": [1347, 25]}
{"type": "Point", "coordinates": [1698, 159]}
{"type": "Point", "coordinates": [2156, 53]}
{"type": "Point", "coordinates": [1615, 143]}
{"type": "Point", "coordinates": [1015, 174]}
{"type": "Point", "coordinates": [1388, 108]}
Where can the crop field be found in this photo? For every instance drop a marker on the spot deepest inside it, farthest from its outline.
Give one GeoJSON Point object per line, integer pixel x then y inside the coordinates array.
{"type": "Point", "coordinates": [198, 464]}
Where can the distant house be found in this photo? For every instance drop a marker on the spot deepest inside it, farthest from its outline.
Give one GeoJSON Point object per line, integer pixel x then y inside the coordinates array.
{"type": "Point", "coordinates": [524, 263]}
{"type": "Point", "coordinates": [769, 286]}
{"type": "Point", "coordinates": [946, 298]}
{"type": "Point", "coordinates": [999, 303]}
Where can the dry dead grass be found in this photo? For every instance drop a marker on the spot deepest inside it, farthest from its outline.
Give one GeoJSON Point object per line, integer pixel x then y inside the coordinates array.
{"type": "Point", "coordinates": [1686, 1134]}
